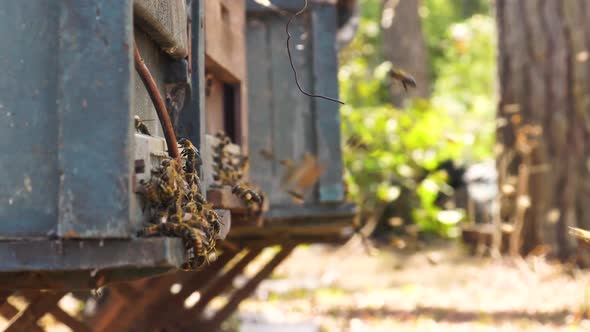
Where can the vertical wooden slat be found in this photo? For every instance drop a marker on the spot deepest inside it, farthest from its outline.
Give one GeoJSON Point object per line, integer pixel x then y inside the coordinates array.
{"type": "Point", "coordinates": [28, 97]}
{"type": "Point", "coordinates": [289, 103]}
{"type": "Point", "coordinates": [327, 117]}
{"type": "Point", "coordinates": [94, 91]}
{"type": "Point", "coordinates": [260, 91]}
{"type": "Point", "coordinates": [198, 119]}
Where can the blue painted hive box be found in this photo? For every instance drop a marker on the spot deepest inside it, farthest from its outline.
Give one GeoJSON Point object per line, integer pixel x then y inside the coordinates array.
{"type": "Point", "coordinates": [68, 96]}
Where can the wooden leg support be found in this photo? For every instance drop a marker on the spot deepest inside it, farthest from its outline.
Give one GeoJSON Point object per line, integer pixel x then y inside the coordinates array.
{"type": "Point", "coordinates": [7, 310]}
{"type": "Point", "coordinates": [240, 294]}
{"type": "Point", "coordinates": [26, 320]}
{"type": "Point", "coordinates": [170, 307]}
{"type": "Point", "coordinates": [225, 281]}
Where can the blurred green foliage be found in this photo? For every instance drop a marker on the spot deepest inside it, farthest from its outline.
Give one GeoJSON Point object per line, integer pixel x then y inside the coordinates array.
{"type": "Point", "coordinates": [388, 150]}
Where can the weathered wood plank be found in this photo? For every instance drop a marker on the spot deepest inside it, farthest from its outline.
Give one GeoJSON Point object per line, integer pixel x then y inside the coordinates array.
{"type": "Point", "coordinates": [95, 170]}
{"type": "Point", "coordinates": [341, 228]}
{"type": "Point", "coordinates": [288, 5]}
{"type": "Point", "coordinates": [288, 102]}
{"type": "Point", "coordinates": [262, 170]}
{"type": "Point", "coordinates": [325, 78]}
{"type": "Point", "coordinates": [224, 35]}
{"type": "Point", "coordinates": [197, 122]}
{"type": "Point", "coordinates": [87, 255]}
{"type": "Point", "coordinates": [165, 23]}
{"type": "Point", "coordinates": [214, 104]}
{"type": "Point", "coordinates": [278, 213]}
{"type": "Point", "coordinates": [28, 116]}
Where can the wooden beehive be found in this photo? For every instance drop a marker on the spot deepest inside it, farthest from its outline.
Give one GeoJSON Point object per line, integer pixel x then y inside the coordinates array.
{"type": "Point", "coordinates": [56, 247]}
{"type": "Point", "coordinates": [286, 125]}
{"type": "Point", "coordinates": [69, 214]}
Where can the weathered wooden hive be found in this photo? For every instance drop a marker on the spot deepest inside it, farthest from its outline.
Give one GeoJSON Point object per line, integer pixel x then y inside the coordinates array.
{"type": "Point", "coordinates": [69, 93]}
{"type": "Point", "coordinates": [288, 127]}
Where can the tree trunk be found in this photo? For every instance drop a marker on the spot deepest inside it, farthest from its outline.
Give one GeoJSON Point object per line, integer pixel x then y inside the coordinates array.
{"type": "Point", "coordinates": [544, 118]}
{"type": "Point", "coordinates": [404, 46]}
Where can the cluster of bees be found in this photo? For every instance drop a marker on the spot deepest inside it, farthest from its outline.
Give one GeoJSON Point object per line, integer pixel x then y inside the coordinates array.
{"type": "Point", "coordinates": [172, 197]}
{"type": "Point", "coordinates": [229, 169]}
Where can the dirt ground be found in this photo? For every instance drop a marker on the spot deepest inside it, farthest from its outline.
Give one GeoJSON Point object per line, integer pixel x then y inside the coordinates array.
{"type": "Point", "coordinates": [439, 288]}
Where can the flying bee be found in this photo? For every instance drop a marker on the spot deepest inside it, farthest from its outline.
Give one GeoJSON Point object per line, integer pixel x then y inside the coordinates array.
{"type": "Point", "coordinates": [267, 154]}
{"type": "Point", "coordinates": [355, 142]}
{"type": "Point", "coordinates": [404, 78]}
{"type": "Point", "coordinates": [140, 126]}
{"type": "Point", "coordinates": [296, 197]}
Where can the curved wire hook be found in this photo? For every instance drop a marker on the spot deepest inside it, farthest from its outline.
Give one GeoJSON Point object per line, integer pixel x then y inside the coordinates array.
{"type": "Point", "coordinates": [293, 65]}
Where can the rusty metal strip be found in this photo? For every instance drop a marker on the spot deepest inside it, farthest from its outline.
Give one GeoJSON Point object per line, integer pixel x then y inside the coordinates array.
{"type": "Point", "coordinates": [160, 106]}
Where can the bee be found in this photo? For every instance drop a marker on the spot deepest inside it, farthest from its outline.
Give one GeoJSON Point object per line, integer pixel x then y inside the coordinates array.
{"type": "Point", "coordinates": [193, 160]}
{"type": "Point", "coordinates": [214, 222]}
{"type": "Point", "coordinates": [250, 197]}
{"type": "Point", "coordinates": [197, 251]}
{"type": "Point", "coordinates": [228, 168]}
{"type": "Point", "coordinates": [223, 139]}
{"type": "Point", "coordinates": [192, 240]}
{"type": "Point", "coordinates": [355, 142]}
{"type": "Point", "coordinates": [176, 207]}
{"type": "Point", "coordinates": [150, 195]}
{"type": "Point", "coordinates": [140, 126]}
{"type": "Point", "coordinates": [296, 197]}
{"type": "Point", "coordinates": [404, 78]}
{"type": "Point", "coordinates": [166, 229]}
{"type": "Point", "coordinates": [267, 154]}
